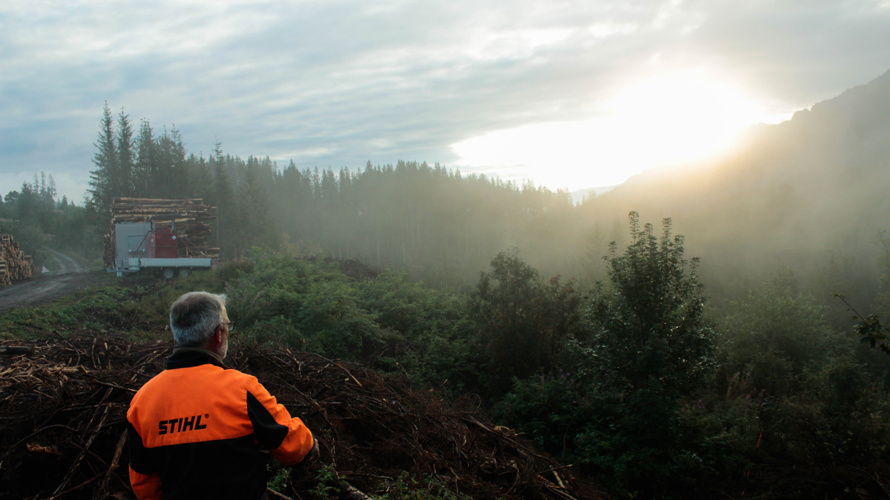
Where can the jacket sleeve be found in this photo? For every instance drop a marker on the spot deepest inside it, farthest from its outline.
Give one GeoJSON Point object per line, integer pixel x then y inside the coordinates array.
{"type": "Point", "coordinates": [286, 437]}
{"type": "Point", "coordinates": [146, 485]}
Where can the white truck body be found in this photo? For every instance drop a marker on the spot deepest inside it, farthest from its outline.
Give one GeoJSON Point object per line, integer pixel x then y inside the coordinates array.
{"type": "Point", "coordinates": [134, 247]}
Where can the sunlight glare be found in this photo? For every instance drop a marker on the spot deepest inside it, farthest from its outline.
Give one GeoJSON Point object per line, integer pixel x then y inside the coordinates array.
{"type": "Point", "coordinates": [682, 118]}
{"type": "Point", "coordinates": [666, 121]}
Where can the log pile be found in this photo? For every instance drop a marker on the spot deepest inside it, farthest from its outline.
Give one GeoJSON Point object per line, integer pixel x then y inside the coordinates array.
{"type": "Point", "coordinates": [64, 401]}
{"type": "Point", "coordinates": [188, 218]}
{"type": "Point", "coordinates": [14, 264]}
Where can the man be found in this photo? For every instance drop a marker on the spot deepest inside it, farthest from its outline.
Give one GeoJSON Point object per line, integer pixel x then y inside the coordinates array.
{"type": "Point", "coordinates": [198, 429]}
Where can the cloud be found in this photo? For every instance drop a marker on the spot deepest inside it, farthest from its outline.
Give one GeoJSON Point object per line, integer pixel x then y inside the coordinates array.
{"type": "Point", "coordinates": [337, 83]}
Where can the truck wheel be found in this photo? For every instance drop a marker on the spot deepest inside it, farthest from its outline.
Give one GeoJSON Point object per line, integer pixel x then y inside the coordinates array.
{"type": "Point", "coordinates": [169, 273]}
{"type": "Point", "coordinates": [184, 272]}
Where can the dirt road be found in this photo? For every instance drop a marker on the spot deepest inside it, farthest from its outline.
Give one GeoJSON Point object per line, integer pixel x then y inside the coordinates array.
{"type": "Point", "coordinates": [67, 265]}
{"type": "Point", "coordinates": [50, 287]}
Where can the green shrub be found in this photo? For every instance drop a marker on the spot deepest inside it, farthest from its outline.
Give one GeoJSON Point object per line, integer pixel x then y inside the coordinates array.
{"type": "Point", "coordinates": [328, 482]}
{"type": "Point", "coordinates": [720, 438]}
{"type": "Point", "coordinates": [425, 487]}
{"type": "Point", "coordinates": [523, 323]}
{"type": "Point", "coordinates": [389, 322]}
{"type": "Point", "coordinates": [648, 349]}
{"type": "Point", "coordinates": [774, 336]}
{"type": "Point", "coordinates": [548, 410]}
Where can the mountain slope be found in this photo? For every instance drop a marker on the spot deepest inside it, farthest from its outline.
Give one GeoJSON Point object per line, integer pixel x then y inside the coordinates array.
{"type": "Point", "coordinates": [796, 194]}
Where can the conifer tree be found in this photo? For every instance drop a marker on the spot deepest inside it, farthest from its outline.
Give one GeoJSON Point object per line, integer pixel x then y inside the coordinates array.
{"type": "Point", "coordinates": [125, 164]}
{"type": "Point", "coordinates": [146, 161]}
{"type": "Point", "coordinates": [253, 210]}
{"type": "Point", "coordinates": [222, 198]}
{"type": "Point", "coordinates": [105, 160]}
{"type": "Point", "coordinates": [171, 173]}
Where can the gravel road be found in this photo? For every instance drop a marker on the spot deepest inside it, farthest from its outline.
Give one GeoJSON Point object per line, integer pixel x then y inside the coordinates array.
{"type": "Point", "coordinates": [47, 288]}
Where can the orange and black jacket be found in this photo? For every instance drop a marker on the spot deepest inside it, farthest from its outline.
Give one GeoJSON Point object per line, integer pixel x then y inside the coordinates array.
{"type": "Point", "coordinates": [197, 430]}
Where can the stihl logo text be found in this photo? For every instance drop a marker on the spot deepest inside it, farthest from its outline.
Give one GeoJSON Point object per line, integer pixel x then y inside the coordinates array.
{"type": "Point", "coordinates": [183, 424]}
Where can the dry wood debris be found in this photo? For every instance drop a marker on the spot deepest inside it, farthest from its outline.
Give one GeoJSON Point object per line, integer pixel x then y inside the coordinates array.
{"type": "Point", "coordinates": [63, 403]}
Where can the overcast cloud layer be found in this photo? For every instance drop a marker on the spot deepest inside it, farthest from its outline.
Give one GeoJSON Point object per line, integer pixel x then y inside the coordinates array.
{"type": "Point", "coordinates": [338, 83]}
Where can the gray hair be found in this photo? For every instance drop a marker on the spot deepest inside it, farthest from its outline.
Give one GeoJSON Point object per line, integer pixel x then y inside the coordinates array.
{"type": "Point", "coordinates": [194, 317]}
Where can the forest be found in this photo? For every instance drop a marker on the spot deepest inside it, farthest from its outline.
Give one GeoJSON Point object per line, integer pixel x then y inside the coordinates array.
{"type": "Point", "coordinates": [703, 338]}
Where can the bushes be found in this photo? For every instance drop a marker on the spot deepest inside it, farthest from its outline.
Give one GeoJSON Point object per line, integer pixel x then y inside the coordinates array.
{"type": "Point", "coordinates": [644, 349]}
{"type": "Point", "coordinates": [549, 410]}
{"type": "Point", "coordinates": [822, 406]}
{"type": "Point", "coordinates": [524, 324]}
{"type": "Point", "coordinates": [618, 384]}
{"type": "Point", "coordinates": [649, 348]}
{"type": "Point", "coordinates": [648, 327]}
{"type": "Point", "coordinates": [789, 394]}
{"type": "Point", "coordinates": [280, 298]}
{"type": "Point", "coordinates": [773, 336]}
{"type": "Point", "coordinates": [837, 419]}
{"type": "Point", "coordinates": [425, 487]}
{"type": "Point", "coordinates": [387, 321]}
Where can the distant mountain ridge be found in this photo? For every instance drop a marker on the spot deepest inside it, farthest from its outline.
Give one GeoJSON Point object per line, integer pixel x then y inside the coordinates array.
{"type": "Point", "coordinates": [582, 194]}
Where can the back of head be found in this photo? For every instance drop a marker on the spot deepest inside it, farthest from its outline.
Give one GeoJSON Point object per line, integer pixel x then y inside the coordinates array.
{"type": "Point", "coordinates": [194, 317]}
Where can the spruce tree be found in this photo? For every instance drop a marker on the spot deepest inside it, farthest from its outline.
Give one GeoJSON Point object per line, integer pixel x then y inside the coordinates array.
{"type": "Point", "coordinates": [103, 177]}
{"type": "Point", "coordinates": [222, 197]}
{"type": "Point", "coordinates": [146, 161]}
{"type": "Point", "coordinates": [253, 210]}
{"type": "Point", "coordinates": [125, 163]}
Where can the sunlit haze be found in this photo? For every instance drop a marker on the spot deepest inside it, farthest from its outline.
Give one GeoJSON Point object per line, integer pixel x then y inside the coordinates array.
{"type": "Point", "coordinates": [665, 120]}
{"type": "Point", "coordinates": [568, 95]}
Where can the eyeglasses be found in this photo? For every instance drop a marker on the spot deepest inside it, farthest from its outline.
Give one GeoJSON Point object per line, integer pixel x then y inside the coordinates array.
{"type": "Point", "coordinates": [230, 325]}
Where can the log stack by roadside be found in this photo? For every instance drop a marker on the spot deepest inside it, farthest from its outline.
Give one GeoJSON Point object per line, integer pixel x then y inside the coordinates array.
{"type": "Point", "coordinates": [14, 264]}
{"type": "Point", "coordinates": [188, 218]}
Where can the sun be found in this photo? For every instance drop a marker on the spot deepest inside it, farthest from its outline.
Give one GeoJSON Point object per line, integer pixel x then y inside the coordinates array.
{"type": "Point", "coordinates": [666, 120]}
{"type": "Point", "coordinates": [681, 118]}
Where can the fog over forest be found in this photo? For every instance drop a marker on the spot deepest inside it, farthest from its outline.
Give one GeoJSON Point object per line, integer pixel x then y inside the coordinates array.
{"type": "Point", "coordinates": [737, 374]}
{"type": "Point", "coordinates": [805, 196]}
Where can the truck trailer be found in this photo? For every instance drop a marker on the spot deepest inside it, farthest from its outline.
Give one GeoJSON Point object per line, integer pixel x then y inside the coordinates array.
{"type": "Point", "coordinates": [140, 246]}
{"type": "Point", "coordinates": [156, 234]}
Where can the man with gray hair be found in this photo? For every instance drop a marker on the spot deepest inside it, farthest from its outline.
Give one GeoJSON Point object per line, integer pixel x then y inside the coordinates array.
{"type": "Point", "coordinates": [199, 429]}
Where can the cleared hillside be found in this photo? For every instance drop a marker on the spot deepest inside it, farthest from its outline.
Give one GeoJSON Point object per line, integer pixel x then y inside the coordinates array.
{"type": "Point", "coordinates": [65, 400]}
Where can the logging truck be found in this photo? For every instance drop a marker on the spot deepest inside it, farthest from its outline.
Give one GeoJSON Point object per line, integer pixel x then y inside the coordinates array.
{"type": "Point", "coordinates": [160, 235]}
{"type": "Point", "coordinates": [141, 246]}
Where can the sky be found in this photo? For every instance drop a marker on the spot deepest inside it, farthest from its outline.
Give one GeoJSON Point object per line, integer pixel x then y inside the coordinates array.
{"type": "Point", "coordinates": [565, 94]}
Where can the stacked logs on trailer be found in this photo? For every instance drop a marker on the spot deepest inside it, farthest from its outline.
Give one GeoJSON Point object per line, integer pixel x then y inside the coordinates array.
{"type": "Point", "coordinates": [188, 219]}
{"type": "Point", "coordinates": [14, 264]}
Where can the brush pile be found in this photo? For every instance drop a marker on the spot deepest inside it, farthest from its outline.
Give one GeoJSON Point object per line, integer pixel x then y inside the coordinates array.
{"type": "Point", "coordinates": [15, 266]}
{"type": "Point", "coordinates": [63, 414]}
{"type": "Point", "coordinates": [188, 218]}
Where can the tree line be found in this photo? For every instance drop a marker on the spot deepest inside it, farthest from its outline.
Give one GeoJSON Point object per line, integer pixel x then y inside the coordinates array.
{"type": "Point", "coordinates": [630, 372]}
{"type": "Point", "coordinates": [438, 224]}
{"type": "Point", "coordinates": [38, 218]}
{"type": "Point", "coordinates": [441, 225]}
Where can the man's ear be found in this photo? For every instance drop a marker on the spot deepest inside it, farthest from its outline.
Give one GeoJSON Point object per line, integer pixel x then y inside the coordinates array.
{"type": "Point", "coordinates": [216, 339]}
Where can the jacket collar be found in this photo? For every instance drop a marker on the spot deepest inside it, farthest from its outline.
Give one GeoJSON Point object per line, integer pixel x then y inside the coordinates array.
{"type": "Point", "coordinates": [187, 357]}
